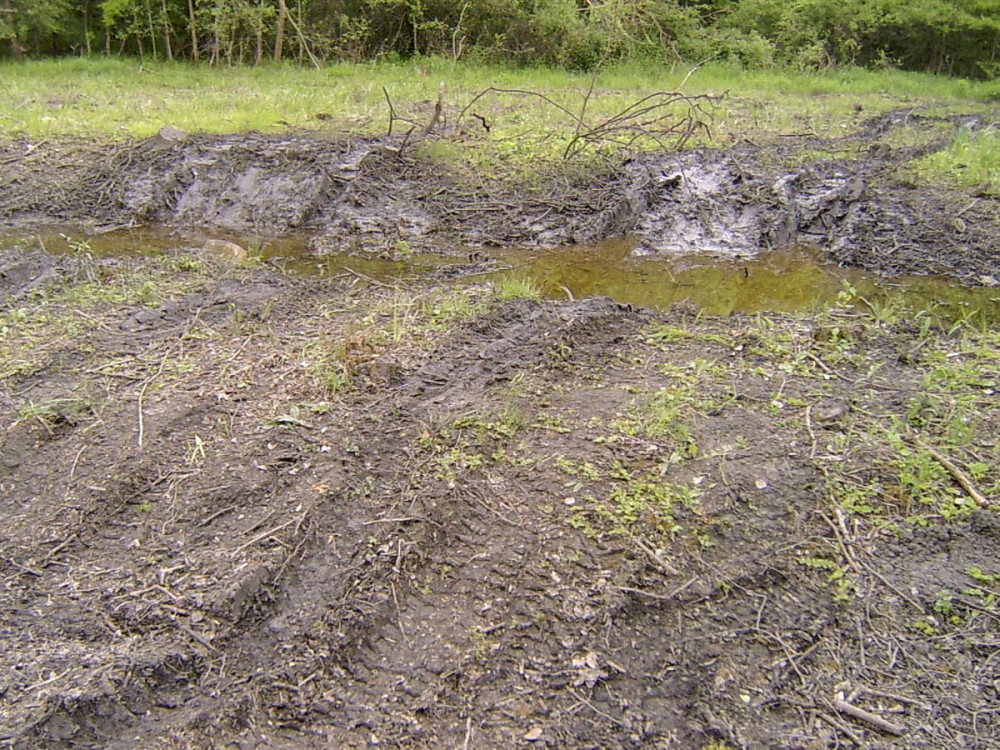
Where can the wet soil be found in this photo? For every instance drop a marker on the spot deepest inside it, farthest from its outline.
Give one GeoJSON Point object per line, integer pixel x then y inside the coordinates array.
{"type": "Point", "coordinates": [244, 509]}
{"type": "Point", "coordinates": [502, 524]}
{"type": "Point", "coordinates": [373, 195]}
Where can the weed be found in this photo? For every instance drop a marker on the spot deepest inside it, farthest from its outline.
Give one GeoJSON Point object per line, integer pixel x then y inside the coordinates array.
{"type": "Point", "coordinates": [51, 412]}
{"type": "Point", "coordinates": [582, 469]}
{"type": "Point", "coordinates": [502, 427]}
{"type": "Point", "coordinates": [662, 333]}
{"type": "Point", "coordinates": [552, 422]}
{"type": "Point", "coordinates": [517, 287]}
{"type": "Point", "coordinates": [662, 415]}
{"type": "Point", "coordinates": [196, 452]}
{"type": "Point", "coordinates": [836, 575]}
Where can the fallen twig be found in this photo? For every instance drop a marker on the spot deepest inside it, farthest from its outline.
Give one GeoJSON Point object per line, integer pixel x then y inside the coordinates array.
{"type": "Point", "coordinates": [960, 476]}
{"type": "Point", "coordinates": [261, 537]}
{"type": "Point", "coordinates": [867, 716]}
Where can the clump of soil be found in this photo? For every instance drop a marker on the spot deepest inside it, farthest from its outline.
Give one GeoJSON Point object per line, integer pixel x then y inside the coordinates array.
{"type": "Point", "coordinates": [247, 510]}
{"type": "Point", "coordinates": [372, 194]}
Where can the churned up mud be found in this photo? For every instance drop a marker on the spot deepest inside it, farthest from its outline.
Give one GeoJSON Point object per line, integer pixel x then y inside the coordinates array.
{"type": "Point", "coordinates": [371, 194]}
{"type": "Point", "coordinates": [246, 510]}
{"type": "Point", "coordinates": [241, 509]}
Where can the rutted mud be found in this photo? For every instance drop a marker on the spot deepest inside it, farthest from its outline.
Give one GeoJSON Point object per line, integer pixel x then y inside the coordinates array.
{"type": "Point", "coordinates": [477, 541]}
{"type": "Point", "coordinates": [371, 194]}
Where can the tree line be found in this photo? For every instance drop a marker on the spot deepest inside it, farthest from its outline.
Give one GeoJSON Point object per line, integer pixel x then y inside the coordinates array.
{"type": "Point", "coordinates": [957, 37]}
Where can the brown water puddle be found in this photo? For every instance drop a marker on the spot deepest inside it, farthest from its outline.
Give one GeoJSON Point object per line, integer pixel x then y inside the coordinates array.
{"type": "Point", "coordinates": [791, 280]}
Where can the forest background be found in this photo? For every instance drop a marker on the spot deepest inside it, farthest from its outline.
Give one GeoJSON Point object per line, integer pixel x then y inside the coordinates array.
{"type": "Point", "coordinates": [955, 37]}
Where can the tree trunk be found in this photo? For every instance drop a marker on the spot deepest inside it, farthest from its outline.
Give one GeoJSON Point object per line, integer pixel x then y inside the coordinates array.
{"type": "Point", "coordinates": [152, 29]}
{"type": "Point", "coordinates": [279, 34]}
{"type": "Point", "coordinates": [259, 32]}
{"type": "Point", "coordinates": [194, 32]}
{"type": "Point", "coordinates": [166, 32]}
{"type": "Point", "coordinates": [86, 28]}
{"type": "Point", "coordinates": [15, 44]}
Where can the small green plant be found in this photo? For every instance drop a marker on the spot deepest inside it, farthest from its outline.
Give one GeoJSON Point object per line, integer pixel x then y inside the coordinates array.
{"type": "Point", "coordinates": [944, 605]}
{"type": "Point", "coordinates": [480, 642]}
{"type": "Point", "coordinates": [196, 452]}
{"type": "Point", "coordinates": [987, 591]}
{"type": "Point", "coordinates": [837, 576]}
{"type": "Point", "coordinates": [517, 287]}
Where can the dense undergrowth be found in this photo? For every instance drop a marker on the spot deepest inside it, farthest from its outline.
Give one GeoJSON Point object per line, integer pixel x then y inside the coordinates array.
{"type": "Point", "coordinates": [957, 37]}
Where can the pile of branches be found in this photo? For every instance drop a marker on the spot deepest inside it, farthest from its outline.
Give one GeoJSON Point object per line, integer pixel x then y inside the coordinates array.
{"type": "Point", "coordinates": [666, 120]}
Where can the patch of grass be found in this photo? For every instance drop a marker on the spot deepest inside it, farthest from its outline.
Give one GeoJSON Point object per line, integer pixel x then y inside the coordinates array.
{"type": "Point", "coordinates": [118, 98]}
{"type": "Point", "coordinates": [635, 506]}
{"type": "Point", "coordinates": [971, 160]}
{"type": "Point", "coordinates": [48, 413]}
{"type": "Point", "coordinates": [517, 287]}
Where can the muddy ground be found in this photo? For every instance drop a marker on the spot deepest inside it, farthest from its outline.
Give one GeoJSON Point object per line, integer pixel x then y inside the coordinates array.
{"type": "Point", "coordinates": [847, 195]}
{"type": "Point", "coordinates": [246, 510]}
{"type": "Point", "coordinates": [240, 509]}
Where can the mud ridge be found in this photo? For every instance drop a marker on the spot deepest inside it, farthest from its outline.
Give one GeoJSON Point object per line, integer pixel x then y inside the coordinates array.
{"type": "Point", "coordinates": [371, 194]}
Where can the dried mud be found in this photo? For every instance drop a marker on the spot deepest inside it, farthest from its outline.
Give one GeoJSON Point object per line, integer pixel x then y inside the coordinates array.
{"type": "Point", "coordinates": [371, 194]}
{"type": "Point", "coordinates": [201, 547]}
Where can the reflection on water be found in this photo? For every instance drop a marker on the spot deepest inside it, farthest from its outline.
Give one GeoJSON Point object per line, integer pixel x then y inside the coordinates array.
{"type": "Point", "coordinates": [788, 281]}
{"type": "Point", "coordinates": [794, 280]}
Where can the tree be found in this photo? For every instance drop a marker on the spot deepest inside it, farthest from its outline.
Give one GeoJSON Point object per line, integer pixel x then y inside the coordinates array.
{"type": "Point", "coordinates": [27, 24]}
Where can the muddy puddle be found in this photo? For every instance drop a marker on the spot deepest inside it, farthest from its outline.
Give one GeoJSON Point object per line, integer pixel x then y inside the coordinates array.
{"type": "Point", "coordinates": [795, 279]}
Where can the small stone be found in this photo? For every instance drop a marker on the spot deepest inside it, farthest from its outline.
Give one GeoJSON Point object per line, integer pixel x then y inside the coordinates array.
{"type": "Point", "coordinates": [534, 734]}
{"type": "Point", "coordinates": [760, 484]}
{"type": "Point", "coordinates": [830, 411]}
{"type": "Point", "coordinates": [170, 133]}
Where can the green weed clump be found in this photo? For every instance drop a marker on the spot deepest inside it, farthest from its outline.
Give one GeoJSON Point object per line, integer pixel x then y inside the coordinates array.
{"type": "Point", "coordinates": [517, 287]}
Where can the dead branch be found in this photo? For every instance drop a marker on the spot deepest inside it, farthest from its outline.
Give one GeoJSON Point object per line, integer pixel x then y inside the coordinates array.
{"type": "Point", "coordinates": [394, 117]}
{"type": "Point", "coordinates": [957, 474]}
{"type": "Point", "coordinates": [485, 124]}
{"type": "Point", "coordinates": [438, 108]}
{"type": "Point", "coordinates": [522, 92]}
{"type": "Point", "coordinates": [868, 717]}
{"type": "Point", "coordinates": [392, 110]}
{"type": "Point", "coordinates": [652, 118]}
{"type": "Point", "coordinates": [649, 118]}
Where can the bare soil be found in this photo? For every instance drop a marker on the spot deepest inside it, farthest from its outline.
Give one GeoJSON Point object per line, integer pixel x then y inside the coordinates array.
{"type": "Point", "coordinates": [239, 509]}
{"type": "Point", "coordinates": [480, 542]}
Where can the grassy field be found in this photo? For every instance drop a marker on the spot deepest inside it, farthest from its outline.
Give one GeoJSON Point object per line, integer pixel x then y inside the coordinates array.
{"type": "Point", "coordinates": [111, 98]}
{"type": "Point", "coordinates": [122, 98]}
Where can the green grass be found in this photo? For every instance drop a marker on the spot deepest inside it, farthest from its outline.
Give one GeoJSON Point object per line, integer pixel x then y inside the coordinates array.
{"type": "Point", "coordinates": [971, 160]}
{"type": "Point", "coordinates": [517, 287]}
{"type": "Point", "coordinates": [114, 97]}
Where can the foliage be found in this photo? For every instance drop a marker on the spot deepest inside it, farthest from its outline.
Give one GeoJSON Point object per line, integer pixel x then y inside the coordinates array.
{"type": "Point", "coordinates": [960, 37]}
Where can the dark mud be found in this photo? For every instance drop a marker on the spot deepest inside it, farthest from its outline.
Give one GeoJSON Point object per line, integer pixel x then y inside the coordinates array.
{"type": "Point", "coordinates": [376, 195]}
{"type": "Point", "coordinates": [487, 536]}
